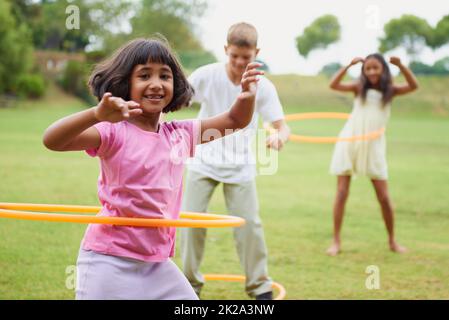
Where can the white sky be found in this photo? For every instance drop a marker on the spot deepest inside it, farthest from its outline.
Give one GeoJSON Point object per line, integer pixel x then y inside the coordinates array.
{"type": "Point", "coordinates": [279, 22]}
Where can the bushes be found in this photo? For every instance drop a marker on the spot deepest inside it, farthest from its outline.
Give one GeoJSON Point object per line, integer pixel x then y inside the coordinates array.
{"type": "Point", "coordinates": [330, 69]}
{"type": "Point", "coordinates": [74, 80]}
{"type": "Point", "coordinates": [194, 59]}
{"type": "Point", "coordinates": [31, 86]}
{"type": "Point", "coordinates": [17, 77]}
{"type": "Point", "coordinates": [440, 68]}
{"type": "Point", "coordinates": [15, 50]}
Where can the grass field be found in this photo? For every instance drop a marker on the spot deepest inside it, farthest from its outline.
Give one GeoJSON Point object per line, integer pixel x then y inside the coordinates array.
{"type": "Point", "coordinates": [295, 204]}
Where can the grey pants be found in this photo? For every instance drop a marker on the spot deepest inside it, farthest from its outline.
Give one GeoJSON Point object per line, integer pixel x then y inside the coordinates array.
{"type": "Point", "coordinates": [241, 200]}
{"type": "Point", "coordinates": [105, 277]}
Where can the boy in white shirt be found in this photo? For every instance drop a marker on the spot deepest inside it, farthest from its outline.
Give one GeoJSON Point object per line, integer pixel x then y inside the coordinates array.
{"type": "Point", "coordinates": [230, 161]}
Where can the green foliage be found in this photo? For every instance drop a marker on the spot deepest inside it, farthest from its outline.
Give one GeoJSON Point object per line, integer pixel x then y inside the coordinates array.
{"type": "Point", "coordinates": [331, 68]}
{"type": "Point", "coordinates": [194, 59]}
{"type": "Point", "coordinates": [15, 49]}
{"type": "Point", "coordinates": [441, 36]}
{"type": "Point", "coordinates": [48, 24]}
{"type": "Point", "coordinates": [440, 67]}
{"type": "Point", "coordinates": [442, 64]}
{"type": "Point", "coordinates": [174, 20]}
{"type": "Point", "coordinates": [321, 33]}
{"type": "Point", "coordinates": [408, 31]}
{"type": "Point", "coordinates": [173, 28]}
{"type": "Point", "coordinates": [44, 25]}
{"type": "Point", "coordinates": [31, 85]}
{"type": "Point", "coordinates": [74, 80]}
{"type": "Point", "coordinates": [47, 20]}
{"type": "Point", "coordinates": [95, 56]}
{"type": "Point", "coordinates": [101, 25]}
{"type": "Point", "coordinates": [421, 68]}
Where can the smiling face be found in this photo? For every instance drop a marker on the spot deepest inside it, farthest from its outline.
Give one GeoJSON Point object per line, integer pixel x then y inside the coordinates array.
{"type": "Point", "coordinates": [239, 58]}
{"type": "Point", "coordinates": [373, 69]}
{"type": "Point", "coordinates": [152, 86]}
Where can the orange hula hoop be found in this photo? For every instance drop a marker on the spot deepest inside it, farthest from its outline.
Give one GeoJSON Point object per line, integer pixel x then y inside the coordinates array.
{"type": "Point", "coordinates": [325, 115]}
{"type": "Point", "coordinates": [237, 278]}
{"type": "Point", "coordinates": [29, 211]}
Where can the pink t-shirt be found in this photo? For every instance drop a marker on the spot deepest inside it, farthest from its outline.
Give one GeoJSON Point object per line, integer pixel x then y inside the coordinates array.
{"type": "Point", "coordinates": [141, 176]}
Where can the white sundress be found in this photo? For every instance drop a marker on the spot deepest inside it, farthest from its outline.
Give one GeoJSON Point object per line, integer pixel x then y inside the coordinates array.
{"type": "Point", "coordinates": [363, 158]}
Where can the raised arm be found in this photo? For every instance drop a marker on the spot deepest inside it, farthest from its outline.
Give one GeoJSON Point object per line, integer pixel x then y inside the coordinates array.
{"type": "Point", "coordinates": [345, 87]}
{"type": "Point", "coordinates": [412, 83]}
{"type": "Point", "coordinates": [241, 112]}
{"type": "Point", "coordinates": [76, 132]}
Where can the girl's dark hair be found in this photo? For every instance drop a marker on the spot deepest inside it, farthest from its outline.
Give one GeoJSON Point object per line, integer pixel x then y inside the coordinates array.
{"type": "Point", "coordinates": [385, 82]}
{"type": "Point", "coordinates": [114, 74]}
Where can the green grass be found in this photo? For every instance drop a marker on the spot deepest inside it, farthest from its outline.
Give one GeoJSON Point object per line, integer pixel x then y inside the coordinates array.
{"type": "Point", "coordinates": [295, 204]}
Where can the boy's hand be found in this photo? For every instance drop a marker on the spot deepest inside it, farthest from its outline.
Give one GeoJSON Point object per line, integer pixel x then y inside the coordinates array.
{"type": "Point", "coordinates": [356, 60]}
{"type": "Point", "coordinates": [396, 61]}
{"type": "Point", "coordinates": [250, 79]}
{"type": "Point", "coordinates": [274, 141]}
{"type": "Point", "coordinates": [114, 109]}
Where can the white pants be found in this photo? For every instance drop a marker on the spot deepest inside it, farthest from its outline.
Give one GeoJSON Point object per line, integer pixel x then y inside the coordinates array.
{"type": "Point", "coordinates": [241, 200]}
{"type": "Point", "coordinates": [106, 277]}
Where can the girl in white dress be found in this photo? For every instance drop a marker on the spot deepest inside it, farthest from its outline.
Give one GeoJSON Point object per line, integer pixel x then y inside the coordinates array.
{"type": "Point", "coordinates": [373, 93]}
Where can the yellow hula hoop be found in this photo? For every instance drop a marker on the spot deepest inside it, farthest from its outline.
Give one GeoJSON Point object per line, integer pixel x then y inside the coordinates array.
{"type": "Point", "coordinates": [237, 278]}
{"type": "Point", "coordinates": [324, 115]}
{"type": "Point", "coordinates": [187, 219]}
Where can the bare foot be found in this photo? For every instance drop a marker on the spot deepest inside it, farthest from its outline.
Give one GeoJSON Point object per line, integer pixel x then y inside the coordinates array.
{"type": "Point", "coordinates": [395, 247]}
{"type": "Point", "coordinates": [334, 249]}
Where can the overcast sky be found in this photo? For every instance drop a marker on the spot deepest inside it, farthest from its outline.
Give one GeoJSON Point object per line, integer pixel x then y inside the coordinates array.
{"type": "Point", "coordinates": [279, 22]}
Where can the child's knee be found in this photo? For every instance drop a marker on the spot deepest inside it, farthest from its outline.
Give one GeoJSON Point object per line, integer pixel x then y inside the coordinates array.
{"type": "Point", "coordinates": [383, 199]}
{"type": "Point", "coordinates": [342, 194]}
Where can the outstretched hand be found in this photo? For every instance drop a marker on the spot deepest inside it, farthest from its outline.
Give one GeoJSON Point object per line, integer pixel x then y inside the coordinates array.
{"type": "Point", "coordinates": [114, 109]}
{"type": "Point", "coordinates": [250, 79]}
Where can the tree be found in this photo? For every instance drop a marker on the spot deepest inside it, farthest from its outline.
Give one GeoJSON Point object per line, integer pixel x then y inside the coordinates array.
{"type": "Point", "coordinates": [15, 49]}
{"type": "Point", "coordinates": [441, 33]}
{"type": "Point", "coordinates": [319, 34]}
{"type": "Point", "coordinates": [47, 20]}
{"type": "Point", "coordinates": [174, 19]}
{"type": "Point", "coordinates": [440, 67]}
{"type": "Point", "coordinates": [331, 68]}
{"type": "Point", "coordinates": [195, 59]}
{"type": "Point", "coordinates": [409, 31]}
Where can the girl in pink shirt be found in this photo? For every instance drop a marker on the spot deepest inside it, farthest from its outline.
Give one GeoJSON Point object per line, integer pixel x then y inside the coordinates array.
{"type": "Point", "coordinates": [142, 162]}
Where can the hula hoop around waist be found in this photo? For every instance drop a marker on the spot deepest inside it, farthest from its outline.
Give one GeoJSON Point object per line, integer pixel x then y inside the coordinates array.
{"type": "Point", "coordinates": [29, 211]}
{"type": "Point", "coordinates": [325, 115]}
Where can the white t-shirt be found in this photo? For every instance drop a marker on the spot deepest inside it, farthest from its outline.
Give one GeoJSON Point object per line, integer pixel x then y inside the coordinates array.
{"type": "Point", "coordinates": [229, 159]}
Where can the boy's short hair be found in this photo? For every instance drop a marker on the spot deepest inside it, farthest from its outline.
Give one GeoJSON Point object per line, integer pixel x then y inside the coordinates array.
{"type": "Point", "coordinates": [114, 74]}
{"type": "Point", "coordinates": [242, 34]}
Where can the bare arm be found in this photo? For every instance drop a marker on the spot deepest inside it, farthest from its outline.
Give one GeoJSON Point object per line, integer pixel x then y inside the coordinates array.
{"type": "Point", "coordinates": [412, 83]}
{"type": "Point", "coordinates": [280, 137]}
{"type": "Point", "coordinates": [345, 87]}
{"type": "Point", "coordinates": [76, 132]}
{"type": "Point", "coordinates": [241, 112]}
